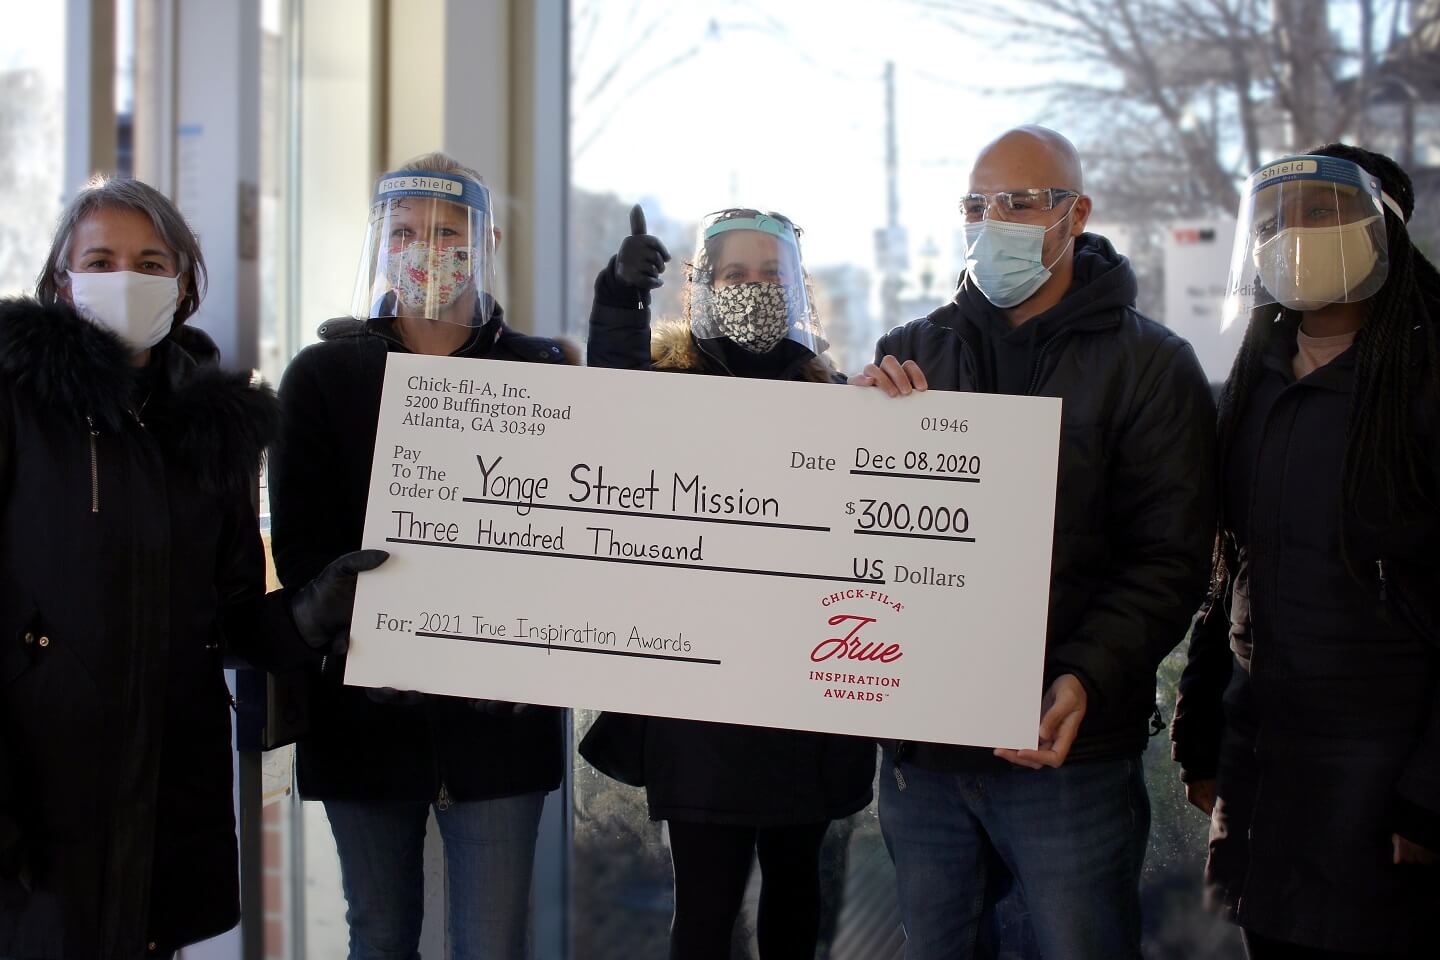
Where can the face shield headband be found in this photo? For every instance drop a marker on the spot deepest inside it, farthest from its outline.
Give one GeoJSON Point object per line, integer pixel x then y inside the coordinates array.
{"type": "Point", "coordinates": [429, 243]}
{"type": "Point", "coordinates": [433, 186]}
{"type": "Point", "coordinates": [1310, 232]}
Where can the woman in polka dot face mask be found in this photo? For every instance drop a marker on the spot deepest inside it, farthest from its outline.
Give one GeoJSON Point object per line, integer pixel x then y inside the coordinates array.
{"type": "Point", "coordinates": [729, 794]}
{"type": "Point", "coordinates": [747, 289]}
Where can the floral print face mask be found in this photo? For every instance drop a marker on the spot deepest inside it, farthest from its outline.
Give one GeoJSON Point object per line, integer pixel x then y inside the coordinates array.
{"type": "Point", "coordinates": [754, 315]}
{"type": "Point", "coordinates": [424, 276]}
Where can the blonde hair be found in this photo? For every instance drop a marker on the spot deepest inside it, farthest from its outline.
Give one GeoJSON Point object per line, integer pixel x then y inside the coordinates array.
{"type": "Point", "coordinates": [439, 162]}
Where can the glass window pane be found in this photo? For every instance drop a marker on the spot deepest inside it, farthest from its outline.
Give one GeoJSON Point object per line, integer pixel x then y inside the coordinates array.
{"type": "Point", "coordinates": [125, 57]}
{"type": "Point", "coordinates": [862, 128]}
{"type": "Point", "coordinates": [32, 138]}
{"type": "Point", "coordinates": [278, 62]}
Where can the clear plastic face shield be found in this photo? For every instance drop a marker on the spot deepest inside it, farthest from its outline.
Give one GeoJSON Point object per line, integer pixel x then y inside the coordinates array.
{"type": "Point", "coordinates": [747, 283]}
{"type": "Point", "coordinates": [1310, 232]}
{"type": "Point", "coordinates": [429, 249]}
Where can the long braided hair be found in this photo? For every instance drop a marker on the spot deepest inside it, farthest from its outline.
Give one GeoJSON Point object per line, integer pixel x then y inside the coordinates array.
{"type": "Point", "coordinates": [1396, 368]}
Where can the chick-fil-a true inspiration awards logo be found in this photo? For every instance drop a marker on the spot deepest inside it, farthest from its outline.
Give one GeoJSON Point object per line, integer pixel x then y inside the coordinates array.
{"type": "Point", "coordinates": [858, 658]}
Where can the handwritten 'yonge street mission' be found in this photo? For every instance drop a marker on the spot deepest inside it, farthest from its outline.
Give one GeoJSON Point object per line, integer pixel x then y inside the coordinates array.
{"type": "Point", "coordinates": [797, 555]}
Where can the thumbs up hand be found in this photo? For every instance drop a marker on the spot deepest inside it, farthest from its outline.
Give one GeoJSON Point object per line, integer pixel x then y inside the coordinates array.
{"type": "Point", "coordinates": [642, 258]}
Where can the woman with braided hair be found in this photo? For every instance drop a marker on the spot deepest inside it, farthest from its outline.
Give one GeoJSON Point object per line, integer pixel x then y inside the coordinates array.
{"type": "Point", "coordinates": [1308, 724]}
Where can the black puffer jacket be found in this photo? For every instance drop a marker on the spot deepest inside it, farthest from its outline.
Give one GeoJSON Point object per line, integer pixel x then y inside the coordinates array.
{"type": "Point", "coordinates": [131, 565]}
{"type": "Point", "coordinates": [1135, 504]}
{"type": "Point", "coordinates": [720, 772]}
{"type": "Point", "coordinates": [1331, 719]}
{"type": "Point", "coordinates": [319, 484]}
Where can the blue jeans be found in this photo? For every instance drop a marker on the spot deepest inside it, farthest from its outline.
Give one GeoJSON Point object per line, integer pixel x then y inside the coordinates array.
{"type": "Point", "coordinates": [1073, 839]}
{"type": "Point", "coordinates": [489, 859]}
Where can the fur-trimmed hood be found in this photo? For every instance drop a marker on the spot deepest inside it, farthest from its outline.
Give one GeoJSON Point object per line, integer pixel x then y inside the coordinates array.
{"type": "Point", "coordinates": [215, 424]}
{"type": "Point", "coordinates": [672, 347]}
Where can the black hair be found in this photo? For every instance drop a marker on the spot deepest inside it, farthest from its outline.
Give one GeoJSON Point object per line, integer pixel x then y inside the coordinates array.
{"type": "Point", "coordinates": [1396, 367]}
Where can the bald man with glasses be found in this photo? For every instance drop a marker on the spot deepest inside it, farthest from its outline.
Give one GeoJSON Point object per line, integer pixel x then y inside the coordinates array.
{"type": "Point", "coordinates": [1045, 308]}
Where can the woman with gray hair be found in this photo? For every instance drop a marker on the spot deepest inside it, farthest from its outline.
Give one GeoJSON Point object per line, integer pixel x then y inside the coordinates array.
{"type": "Point", "coordinates": [130, 568]}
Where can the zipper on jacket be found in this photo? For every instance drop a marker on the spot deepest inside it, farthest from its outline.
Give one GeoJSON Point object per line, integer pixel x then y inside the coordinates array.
{"type": "Point", "coordinates": [719, 362]}
{"type": "Point", "coordinates": [1380, 571]}
{"type": "Point", "coordinates": [443, 801]}
{"type": "Point", "coordinates": [1039, 366]}
{"type": "Point", "coordinates": [895, 766]}
{"type": "Point", "coordinates": [94, 467]}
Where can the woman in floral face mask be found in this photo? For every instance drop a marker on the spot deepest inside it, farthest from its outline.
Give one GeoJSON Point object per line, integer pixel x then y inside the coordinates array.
{"type": "Point", "coordinates": [380, 760]}
{"type": "Point", "coordinates": [728, 792]}
{"type": "Point", "coordinates": [428, 263]}
{"type": "Point", "coordinates": [431, 260]}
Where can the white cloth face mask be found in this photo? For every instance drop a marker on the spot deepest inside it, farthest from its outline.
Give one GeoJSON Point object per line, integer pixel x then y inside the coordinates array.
{"type": "Point", "coordinates": [1305, 268]}
{"type": "Point", "coordinates": [137, 307]}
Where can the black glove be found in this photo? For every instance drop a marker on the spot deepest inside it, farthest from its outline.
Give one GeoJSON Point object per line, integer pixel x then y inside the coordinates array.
{"type": "Point", "coordinates": [501, 708]}
{"type": "Point", "coordinates": [394, 698]}
{"type": "Point", "coordinates": [321, 609]}
{"type": "Point", "coordinates": [642, 258]}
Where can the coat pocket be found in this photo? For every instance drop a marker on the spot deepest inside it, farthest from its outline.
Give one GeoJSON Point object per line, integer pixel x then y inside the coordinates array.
{"type": "Point", "coordinates": [22, 637]}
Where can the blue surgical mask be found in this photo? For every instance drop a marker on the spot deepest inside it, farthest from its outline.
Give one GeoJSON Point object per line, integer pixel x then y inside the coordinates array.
{"type": "Point", "coordinates": [1003, 259]}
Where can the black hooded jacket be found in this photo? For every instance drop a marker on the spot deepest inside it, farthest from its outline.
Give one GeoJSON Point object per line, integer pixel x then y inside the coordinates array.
{"type": "Point", "coordinates": [130, 565]}
{"type": "Point", "coordinates": [1312, 691]}
{"type": "Point", "coordinates": [1135, 500]}
{"type": "Point", "coordinates": [319, 486]}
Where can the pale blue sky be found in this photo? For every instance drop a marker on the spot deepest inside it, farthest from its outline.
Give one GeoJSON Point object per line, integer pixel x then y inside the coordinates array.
{"type": "Point", "coordinates": [782, 107]}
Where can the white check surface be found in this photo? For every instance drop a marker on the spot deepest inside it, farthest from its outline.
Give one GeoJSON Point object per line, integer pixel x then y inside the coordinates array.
{"type": "Point", "coordinates": [799, 555]}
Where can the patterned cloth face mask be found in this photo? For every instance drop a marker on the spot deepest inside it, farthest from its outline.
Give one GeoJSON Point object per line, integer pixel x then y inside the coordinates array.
{"type": "Point", "coordinates": [754, 315]}
{"type": "Point", "coordinates": [423, 275]}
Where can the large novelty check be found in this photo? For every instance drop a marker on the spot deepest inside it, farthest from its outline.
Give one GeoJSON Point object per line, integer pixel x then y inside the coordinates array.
{"type": "Point", "coordinates": [797, 555]}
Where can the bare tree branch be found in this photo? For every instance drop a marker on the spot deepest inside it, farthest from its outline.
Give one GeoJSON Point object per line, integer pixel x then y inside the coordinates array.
{"type": "Point", "coordinates": [1217, 84]}
{"type": "Point", "coordinates": [623, 59]}
{"type": "Point", "coordinates": [585, 24]}
{"type": "Point", "coordinates": [618, 102]}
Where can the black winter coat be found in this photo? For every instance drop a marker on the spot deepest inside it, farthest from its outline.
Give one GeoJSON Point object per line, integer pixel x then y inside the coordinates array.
{"type": "Point", "coordinates": [1331, 719]}
{"type": "Point", "coordinates": [1135, 502]}
{"type": "Point", "coordinates": [319, 484]}
{"type": "Point", "coordinates": [721, 772]}
{"type": "Point", "coordinates": [131, 564]}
